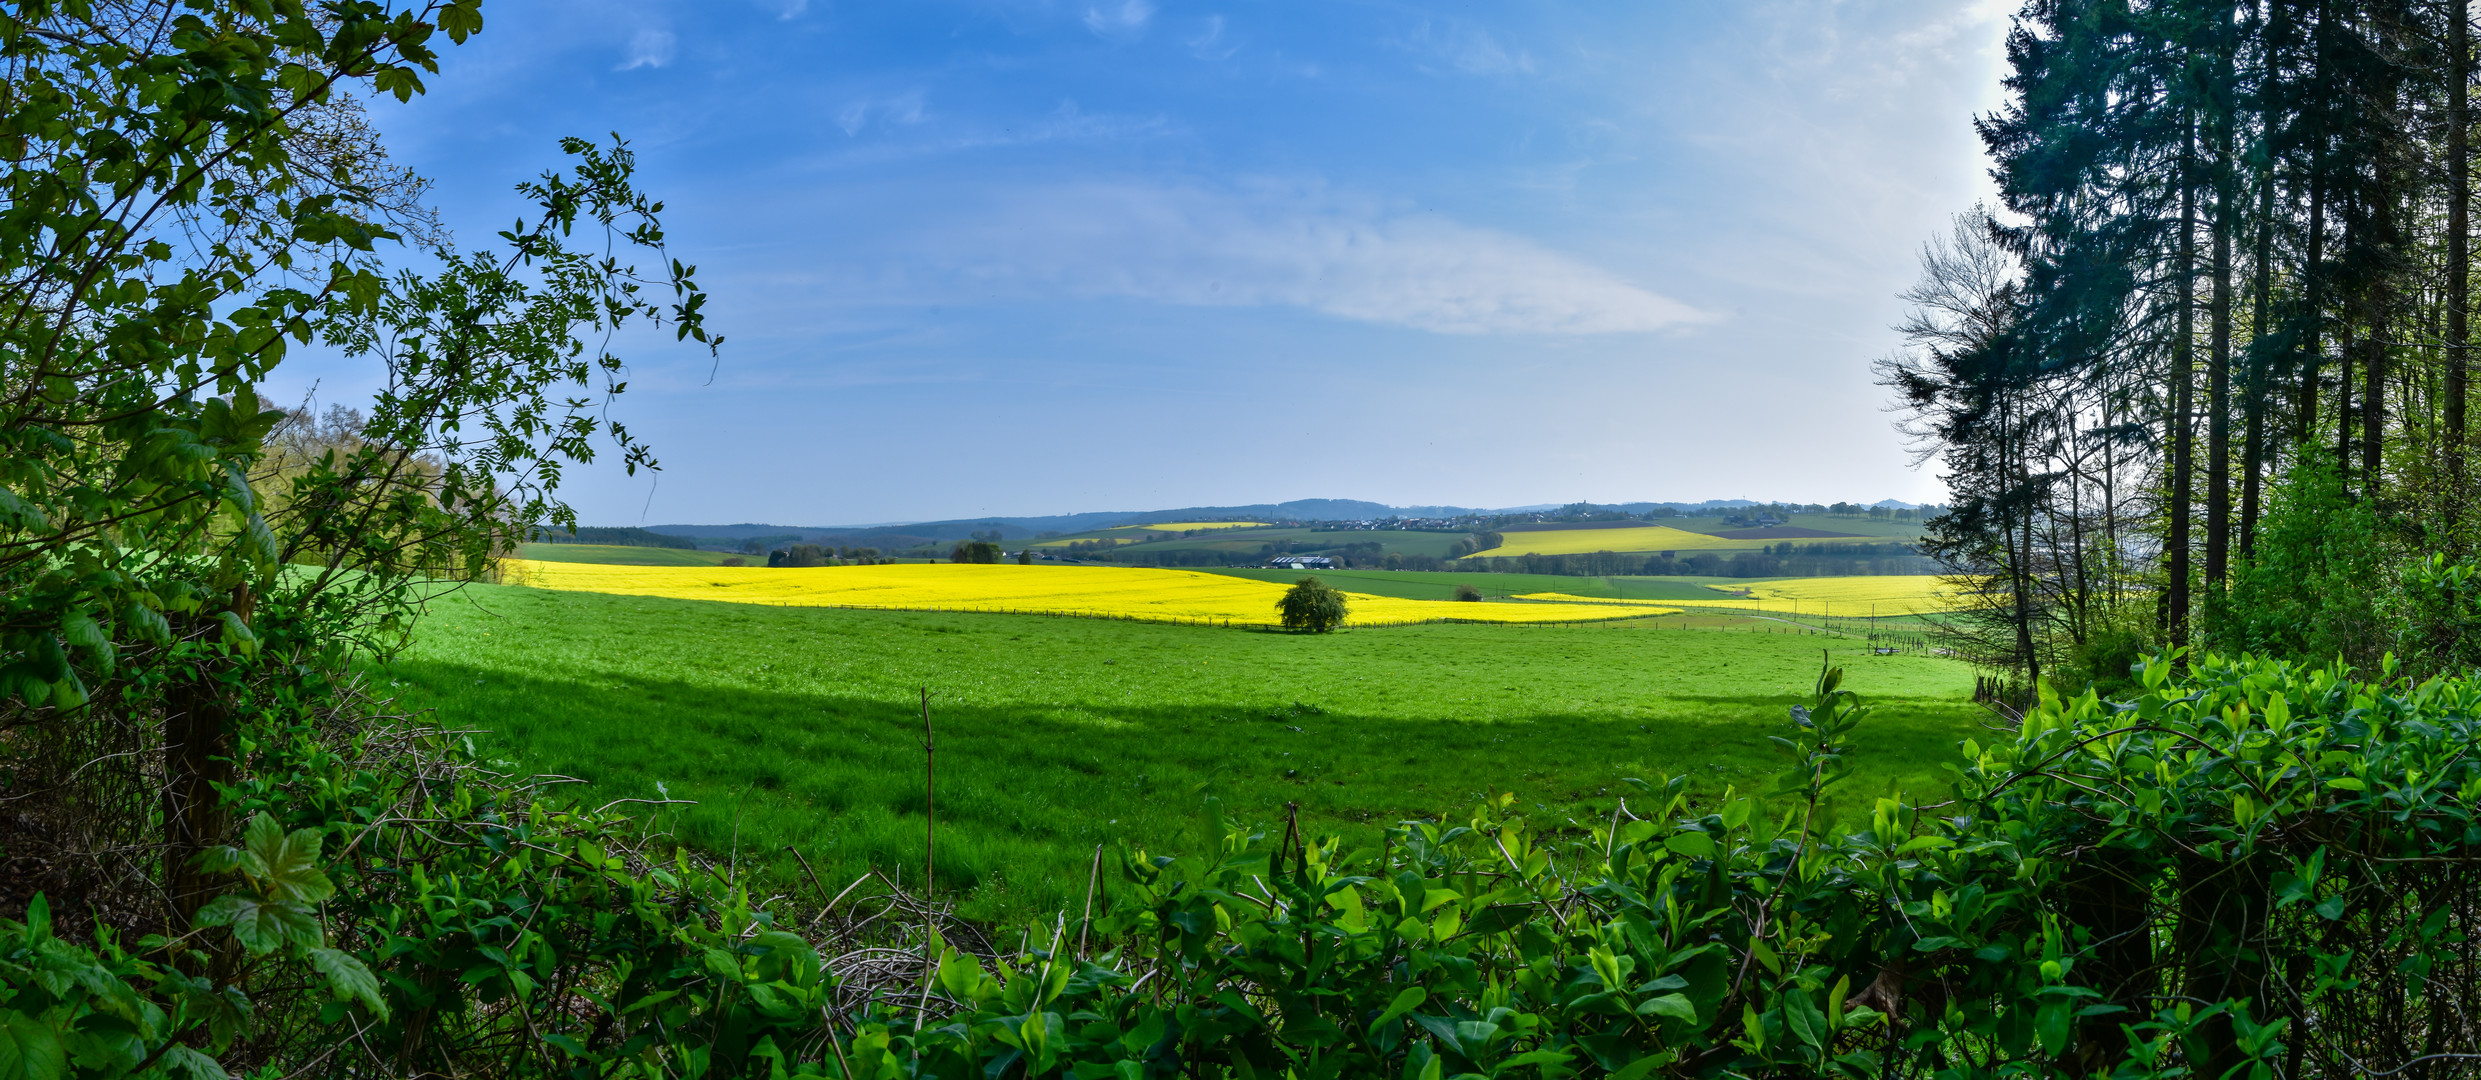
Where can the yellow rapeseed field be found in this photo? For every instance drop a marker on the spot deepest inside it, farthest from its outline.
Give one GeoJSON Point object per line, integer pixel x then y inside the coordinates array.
{"type": "Point", "coordinates": [1095, 591]}
{"type": "Point", "coordinates": [1889, 594]}
{"type": "Point", "coordinates": [1619, 538]}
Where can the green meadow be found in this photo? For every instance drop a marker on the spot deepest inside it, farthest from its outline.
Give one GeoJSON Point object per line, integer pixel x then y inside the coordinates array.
{"type": "Point", "coordinates": [802, 727]}
{"type": "Point", "coordinates": [627, 555]}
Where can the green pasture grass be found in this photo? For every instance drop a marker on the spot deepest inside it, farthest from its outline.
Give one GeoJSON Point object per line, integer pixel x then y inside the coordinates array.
{"type": "Point", "coordinates": [802, 726]}
{"type": "Point", "coordinates": [1441, 584]}
{"type": "Point", "coordinates": [625, 555]}
{"type": "Point", "coordinates": [1862, 529]}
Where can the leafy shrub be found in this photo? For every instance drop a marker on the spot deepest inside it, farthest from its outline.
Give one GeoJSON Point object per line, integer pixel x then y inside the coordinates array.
{"type": "Point", "coordinates": [1468, 593]}
{"type": "Point", "coordinates": [1311, 606]}
{"type": "Point", "coordinates": [2311, 588]}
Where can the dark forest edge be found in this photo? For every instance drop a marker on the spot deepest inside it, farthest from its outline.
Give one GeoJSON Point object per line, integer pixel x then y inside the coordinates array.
{"type": "Point", "coordinates": [2226, 291]}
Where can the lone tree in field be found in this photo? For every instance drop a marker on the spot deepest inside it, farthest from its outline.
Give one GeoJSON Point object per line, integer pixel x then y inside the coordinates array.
{"type": "Point", "coordinates": [1468, 593]}
{"type": "Point", "coordinates": [1312, 606]}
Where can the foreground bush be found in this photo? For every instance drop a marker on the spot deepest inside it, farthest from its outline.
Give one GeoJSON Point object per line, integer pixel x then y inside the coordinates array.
{"type": "Point", "coordinates": [2251, 869]}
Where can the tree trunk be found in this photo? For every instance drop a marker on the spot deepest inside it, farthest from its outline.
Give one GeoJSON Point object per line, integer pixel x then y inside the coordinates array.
{"type": "Point", "coordinates": [198, 755]}
{"type": "Point", "coordinates": [2104, 892]}
{"type": "Point", "coordinates": [2313, 314]}
{"type": "Point", "coordinates": [2458, 268]}
{"type": "Point", "coordinates": [2183, 404]}
{"type": "Point", "coordinates": [2218, 369]}
{"type": "Point", "coordinates": [2253, 394]}
{"type": "Point", "coordinates": [2345, 352]}
{"type": "Point", "coordinates": [2221, 940]}
{"type": "Point", "coordinates": [2374, 363]}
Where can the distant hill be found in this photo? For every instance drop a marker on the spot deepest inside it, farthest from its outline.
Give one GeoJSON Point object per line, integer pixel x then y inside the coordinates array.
{"type": "Point", "coordinates": [1017, 528]}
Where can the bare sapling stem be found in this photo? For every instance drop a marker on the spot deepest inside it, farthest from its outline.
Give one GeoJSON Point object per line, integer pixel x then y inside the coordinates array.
{"type": "Point", "coordinates": [1085, 924]}
{"type": "Point", "coordinates": [930, 805]}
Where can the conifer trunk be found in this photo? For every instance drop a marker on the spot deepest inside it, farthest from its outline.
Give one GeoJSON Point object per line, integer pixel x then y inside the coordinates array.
{"type": "Point", "coordinates": [2218, 369]}
{"type": "Point", "coordinates": [2304, 402]}
{"type": "Point", "coordinates": [2458, 268]}
{"type": "Point", "coordinates": [2183, 404]}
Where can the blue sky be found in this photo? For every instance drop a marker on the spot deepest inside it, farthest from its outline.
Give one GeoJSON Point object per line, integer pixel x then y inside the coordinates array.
{"type": "Point", "coordinates": [1029, 258]}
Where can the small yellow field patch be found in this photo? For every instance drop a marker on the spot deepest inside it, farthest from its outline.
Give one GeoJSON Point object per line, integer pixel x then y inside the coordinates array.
{"type": "Point", "coordinates": [1639, 538]}
{"type": "Point", "coordinates": [1916, 592]}
{"type": "Point", "coordinates": [1851, 597]}
{"type": "Point", "coordinates": [1191, 526]}
{"type": "Point", "coordinates": [1093, 591]}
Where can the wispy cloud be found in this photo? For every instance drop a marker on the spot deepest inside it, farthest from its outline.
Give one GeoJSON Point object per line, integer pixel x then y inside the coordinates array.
{"type": "Point", "coordinates": [1466, 47]}
{"type": "Point", "coordinates": [1209, 43]}
{"type": "Point", "coordinates": [651, 47]}
{"type": "Point", "coordinates": [1297, 249]}
{"type": "Point", "coordinates": [901, 109]}
{"type": "Point", "coordinates": [932, 134]}
{"type": "Point", "coordinates": [1127, 18]}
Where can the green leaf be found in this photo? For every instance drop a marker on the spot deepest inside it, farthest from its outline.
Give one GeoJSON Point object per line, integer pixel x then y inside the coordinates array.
{"type": "Point", "coordinates": [17, 513]}
{"type": "Point", "coordinates": [262, 925]}
{"type": "Point", "coordinates": [284, 866]}
{"type": "Point", "coordinates": [258, 542]}
{"type": "Point", "coordinates": [960, 974]}
{"type": "Point", "coordinates": [2052, 1024]}
{"type": "Point", "coordinates": [184, 1061]}
{"type": "Point", "coordinates": [237, 635]}
{"type": "Point", "coordinates": [1421, 1064]}
{"type": "Point", "coordinates": [83, 631]}
{"type": "Point", "coordinates": [1677, 1006]}
{"type": "Point", "coordinates": [1695, 845]}
{"type": "Point", "coordinates": [1407, 1000]}
{"type": "Point", "coordinates": [30, 1049]}
{"type": "Point", "coordinates": [1637, 1069]}
{"type": "Point", "coordinates": [349, 978]}
{"type": "Point", "coordinates": [145, 623]}
{"type": "Point", "coordinates": [1804, 1020]}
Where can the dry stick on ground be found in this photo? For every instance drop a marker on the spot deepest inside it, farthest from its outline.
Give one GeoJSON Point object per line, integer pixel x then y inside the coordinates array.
{"type": "Point", "coordinates": [930, 805]}
{"type": "Point", "coordinates": [930, 863]}
{"type": "Point", "coordinates": [1086, 923]}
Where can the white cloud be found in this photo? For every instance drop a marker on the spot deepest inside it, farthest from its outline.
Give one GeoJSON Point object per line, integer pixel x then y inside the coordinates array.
{"type": "Point", "coordinates": [1467, 48]}
{"type": "Point", "coordinates": [650, 47]}
{"type": "Point", "coordinates": [902, 109]}
{"type": "Point", "coordinates": [1125, 19]}
{"type": "Point", "coordinates": [1297, 249]}
{"type": "Point", "coordinates": [1209, 43]}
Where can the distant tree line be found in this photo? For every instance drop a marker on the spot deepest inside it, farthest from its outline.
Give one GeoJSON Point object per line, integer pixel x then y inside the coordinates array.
{"type": "Point", "coordinates": [597, 534]}
{"type": "Point", "coordinates": [799, 555]}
